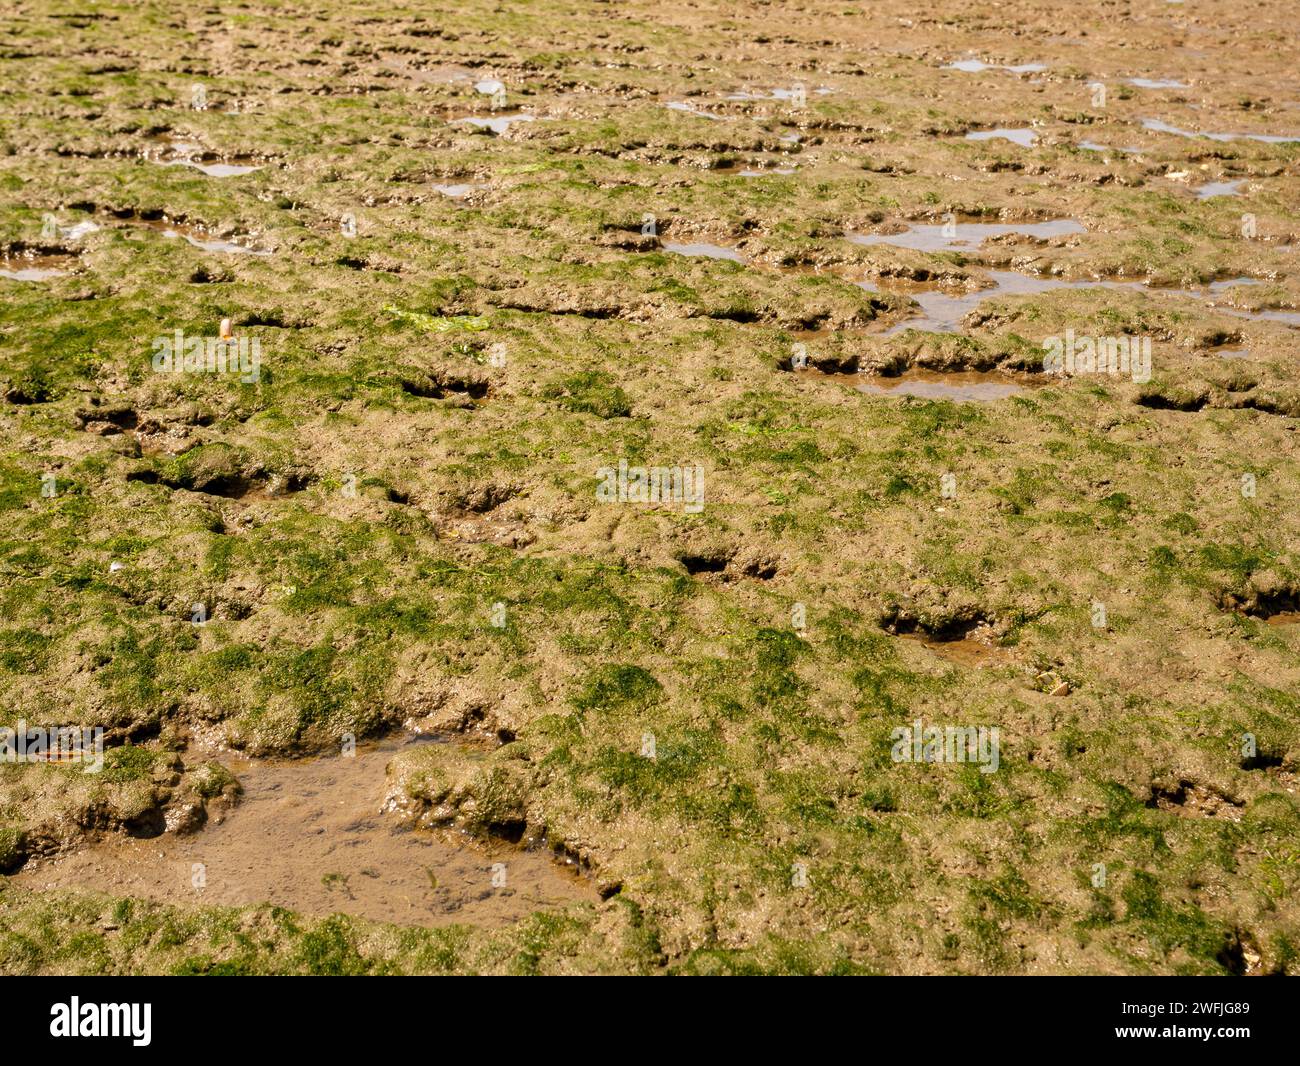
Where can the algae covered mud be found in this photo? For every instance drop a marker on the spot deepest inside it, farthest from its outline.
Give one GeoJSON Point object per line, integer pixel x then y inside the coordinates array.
{"type": "Point", "coordinates": [943, 620]}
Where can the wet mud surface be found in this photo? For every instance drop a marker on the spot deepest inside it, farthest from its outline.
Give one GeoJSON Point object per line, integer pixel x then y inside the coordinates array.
{"type": "Point", "coordinates": [316, 836]}
{"type": "Point", "coordinates": [507, 269]}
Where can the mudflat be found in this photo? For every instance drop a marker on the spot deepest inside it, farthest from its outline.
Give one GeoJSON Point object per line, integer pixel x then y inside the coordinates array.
{"type": "Point", "coordinates": [650, 488]}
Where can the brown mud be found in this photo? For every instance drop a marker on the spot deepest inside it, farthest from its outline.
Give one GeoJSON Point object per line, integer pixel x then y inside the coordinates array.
{"type": "Point", "coordinates": [314, 836]}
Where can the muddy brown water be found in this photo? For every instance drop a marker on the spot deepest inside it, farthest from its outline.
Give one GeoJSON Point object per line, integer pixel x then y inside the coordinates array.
{"type": "Point", "coordinates": [35, 268]}
{"type": "Point", "coordinates": [969, 386]}
{"type": "Point", "coordinates": [964, 651]}
{"type": "Point", "coordinates": [310, 835]}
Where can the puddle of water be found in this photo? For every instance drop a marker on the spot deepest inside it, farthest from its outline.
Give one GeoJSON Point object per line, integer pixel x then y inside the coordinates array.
{"type": "Point", "coordinates": [459, 191]}
{"type": "Point", "coordinates": [1093, 146]}
{"type": "Point", "coordinates": [687, 109]}
{"type": "Point", "coordinates": [711, 251]}
{"type": "Point", "coordinates": [974, 66]}
{"type": "Point", "coordinates": [965, 651]}
{"type": "Point", "coordinates": [309, 835]}
{"type": "Point", "coordinates": [488, 86]}
{"type": "Point", "coordinates": [178, 146]}
{"type": "Point", "coordinates": [498, 124]}
{"type": "Point", "coordinates": [1289, 318]}
{"type": "Point", "coordinates": [925, 237]}
{"type": "Point", "coordinates": [942, 312]}
{"type": "Point", "coordinates": [1231, 353]}
{"type": "Point", "coordinates": [968, 386]}
{"type": "Point", "coordinates": [212, 170]}
{"type": "Point", "coordinates": [1026, 138]}
{"type": "Point", "coordinates": [1231, 283]}
{"type": "Point", "coordinates": [1219, 188]}
{"type": "Point", "coordinates": [773, 94]}
{"type": "Point", "coordinates": [1284, 618]}
{"type": "Point", "coordinates": [1157, 83]}
{"type": "Point", "coordinates": [199, 239]}
{"type": "Point", "coordinates": [187, 151]}
{"type": "Point", "coordinates": [220, 170]}
{"type": "Point", "coordinates": [77, 231]}
{"type": "Point", "coordinates": [35, 268]}
{"type": "Point", "coordinates": [1157, 126]}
